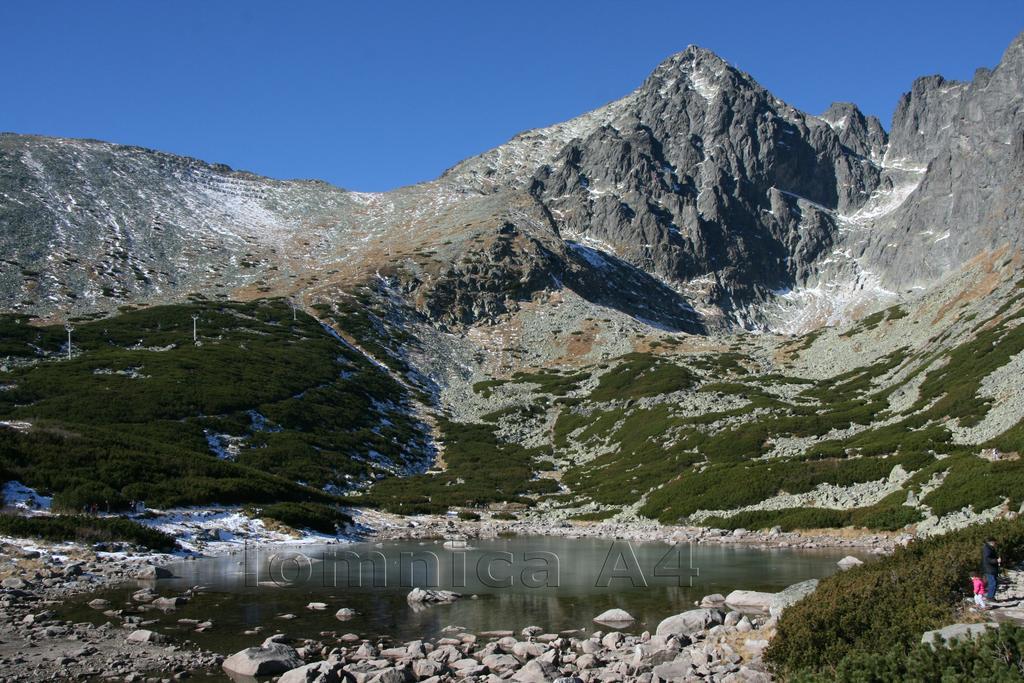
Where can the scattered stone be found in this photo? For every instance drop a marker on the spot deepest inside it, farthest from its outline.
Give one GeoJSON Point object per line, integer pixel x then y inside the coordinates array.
{"type": "Point", "coordinates": [713, 600]}
{"type": "Point", "coordinates": [318, 672]}
{"type": "Point", "coordinates": [420, 596]}
{"type": "Point", "coordinates": [690, 622]}
{"type": "Point", "coordinates": [747, 601]}
{"type": "Point", "coordinates": [267, 660]}
{"type": "Point", "coordinates": [955, 632]}
{"type": "Point", "coordinates": [849, 562]}
{"type": "Point", "coordinates": [169, 603]}
{"type": "Point", "coordinates": [146, 636]}
{"type": "Point", "coordinates": [151, 571]}
{"type": "Point", "coordinates": [614, 617]}
{"type": "Point", "coordinates": [317, 606]}
{"type": "Point", "coordinates": [791, 595]}
{"type": "Point", "coordinates": [535, 671]}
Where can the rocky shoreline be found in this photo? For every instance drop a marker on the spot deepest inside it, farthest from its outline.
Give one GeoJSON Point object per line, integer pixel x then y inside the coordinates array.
{"type": "Point", "coordinates": [711, 643]}
{"type": "Point", "coordinates": [35, 644]}
{"type": "Point", "coordinates": [393, 527]}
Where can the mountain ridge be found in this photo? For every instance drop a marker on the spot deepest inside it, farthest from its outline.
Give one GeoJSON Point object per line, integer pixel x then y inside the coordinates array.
{"type": "Point", "coordinates": [755, 214]}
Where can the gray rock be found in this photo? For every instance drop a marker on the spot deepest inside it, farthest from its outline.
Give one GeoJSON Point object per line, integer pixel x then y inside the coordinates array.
{"type": "Point", "coordinates": [713, 600]}
{"type": "Point", "coordinates": [849, 562]}
{"type": "Point", "coordinates": [146, 636]}
{"type": "Point", "coordinates": [791, 595]}
{"type": "Point", "coordinates": [680, 669]}
{"type": "Point", "coordinates": [690, 622]}
{"type": "Point", "coordinates": [421, 595]}
{"type": "Point", "coordinates": [270, 659]}
{"type": "Point", "coordinates": [955, 632]}
{"type": "Point", "coordinates": [318, 672]}
{"type": "Point", "coordinates": [614, 617]}
{"type": "Point", "coordinates": [169, 603]}
{"type": "Point", "coordinates": [750, 601]}
{"type": "Point", "coordinates": [151, 571]}
{"type": "Point", "coordinates": [535, 671]}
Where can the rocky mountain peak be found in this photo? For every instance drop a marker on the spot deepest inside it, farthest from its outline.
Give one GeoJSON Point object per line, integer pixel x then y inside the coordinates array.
{"type": "Point", "coordinates": [863, 135]}
{"type": "Point", "coordinates": [700, 182]}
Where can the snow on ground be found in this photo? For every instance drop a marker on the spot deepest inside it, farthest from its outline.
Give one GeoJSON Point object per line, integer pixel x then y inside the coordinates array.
{"type": "Point", "coordinates": [18, 495]}
{"type": "Point", "coordinates": [219, 530]}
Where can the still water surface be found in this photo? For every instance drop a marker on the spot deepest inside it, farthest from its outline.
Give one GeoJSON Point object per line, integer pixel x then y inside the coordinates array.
{"type": "Point", "coordinates": [552, 582]}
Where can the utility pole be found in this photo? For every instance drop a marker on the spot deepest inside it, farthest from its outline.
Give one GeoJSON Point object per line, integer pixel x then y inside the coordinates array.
{"type": "Point", "coordinates": [195, 319]}
{"type": "Point", "coordinates": [70, 328]}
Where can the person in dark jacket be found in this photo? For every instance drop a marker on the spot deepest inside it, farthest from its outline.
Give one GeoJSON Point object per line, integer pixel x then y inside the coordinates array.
{"type": "Point", "coordinates": [990, 567]}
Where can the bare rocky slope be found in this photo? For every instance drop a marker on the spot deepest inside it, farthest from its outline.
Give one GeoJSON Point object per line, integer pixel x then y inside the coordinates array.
{"type": "Point", "coordinates": [583, 300]}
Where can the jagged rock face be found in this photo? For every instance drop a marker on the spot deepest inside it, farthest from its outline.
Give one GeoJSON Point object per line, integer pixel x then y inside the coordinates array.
{"type": "Point", "coordinates": [704, 173]}
{"type": "Point", "coordinates": [518, 262]}
{"type": "Point", "coordinates": [698, 190]}
{"type": "Point", "coordinates": [970, 139]}
{"type": "Point", "coordinates": [489, 281]}
{"type": "Point", "coordinates": [861, 135]}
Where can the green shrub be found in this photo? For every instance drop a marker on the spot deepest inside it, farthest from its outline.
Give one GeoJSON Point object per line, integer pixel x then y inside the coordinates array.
{"type": "Point", "coordinates": [977, 483]}
{"type": "Point", "coordinates": [891, 601]}
{"type": "Point", "coordinates": [84, 529]}
{"type": "Point", "coordinates": [80, 498]}
{"type": "Point", "coordinates": [315, 516]}
{"type": "Point", "coordinates": [996, 656]}
{"type": "Point", "coordinates": [642, 374]}
{"type": "Point", "coordinates": [469, 516]}
{"type": "Point", "coordinates": [596, 516]}
{"type": "Point", "coordinates": [888, 514]}
{"type": "Point", "coordinates": [131, 414]}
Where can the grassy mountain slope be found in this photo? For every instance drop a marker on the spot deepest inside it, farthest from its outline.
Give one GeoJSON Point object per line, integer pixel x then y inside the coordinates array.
{"type": "Point", "coordinates": [265, 408]}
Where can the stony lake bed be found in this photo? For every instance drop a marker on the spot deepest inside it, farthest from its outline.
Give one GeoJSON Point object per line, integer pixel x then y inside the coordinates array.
{"type": "Point", "coordinates": [71, 613]}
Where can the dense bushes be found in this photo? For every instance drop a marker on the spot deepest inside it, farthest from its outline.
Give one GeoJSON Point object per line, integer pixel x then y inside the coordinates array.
{"type": "Point", "coordinates": [84, 529]}
{"type": "Point", "coordinates": [138, 410]}
{"type": "Point", "coordinates": [639, 375]}
{"type": "Point", "coordinates": [735, 485]}
{"type": "Point", "coordinates": [480, 469]}
{"type": "Point", "coordinates": [891, 601]}
{"type": "Point", "coordinates": [888, 514]}
{"type": "Point", "coordinates": [995, 657]}
{"type": "Point", "coordinates": [315, 516]}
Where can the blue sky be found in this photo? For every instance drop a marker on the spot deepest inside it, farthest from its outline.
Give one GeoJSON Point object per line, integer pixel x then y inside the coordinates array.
{"type": "Point", "coordinates": [371, 96]}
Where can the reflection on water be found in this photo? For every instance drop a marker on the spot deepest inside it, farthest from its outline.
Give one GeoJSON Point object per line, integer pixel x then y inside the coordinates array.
{"type": "Point", "coordinates": [555, 583]}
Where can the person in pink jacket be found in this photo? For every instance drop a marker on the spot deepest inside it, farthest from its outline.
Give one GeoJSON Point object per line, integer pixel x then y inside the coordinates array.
{"type": "Point", "coordinates": [979, 591]}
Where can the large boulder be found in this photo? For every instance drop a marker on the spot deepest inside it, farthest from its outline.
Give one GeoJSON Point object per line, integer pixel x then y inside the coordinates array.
{"type": "Point", "coordinates": [690, 622]}
{"type": "Point", "coordinates": [426, 595]}
{"type": "Point", "coordinates": [318, 672]}
{"type": "Point", "coordinates": [849, 562]}
{"type": "Point", "coordinates": [791, 595]}
{"type": "Point", "coordinates": [269, 659]}
{"type": "Point", "coordinates": [614, 617]}
{"type": "Point", "coordinates": [151, 571]}
{"type": "Point", "coordinates": [679, 669]}
{"type": "Point", "coordinates": [536, 671]}
{"type": "Point", "coordinates": [168, 604]}
{"type": "Point", "coordinates": [955, 632]}
{"type": "Point", "coordinates": [750, 601]}
{"type": "Point", "coordinates": [146, 636]}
